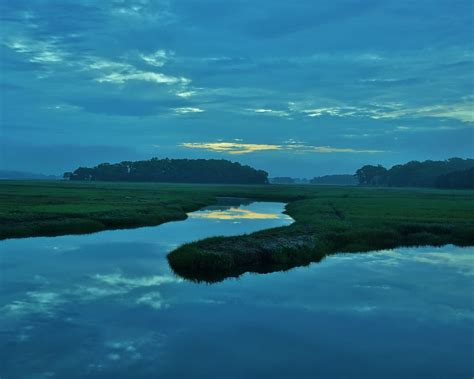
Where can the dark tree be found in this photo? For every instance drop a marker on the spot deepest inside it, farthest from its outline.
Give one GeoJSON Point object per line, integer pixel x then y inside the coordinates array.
{"type": "Point", "coordinates": [457, 179]}
{"type": "Point", "coordinates": [419, 174]}
{"type": "Point", "coordinates": [371, 175]}
{"type": "Point", "coordinates": [173, 171]}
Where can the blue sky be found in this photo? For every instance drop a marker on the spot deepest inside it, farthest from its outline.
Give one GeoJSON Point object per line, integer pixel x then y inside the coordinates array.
{"type": "Point", "coordinates": [298, 88]}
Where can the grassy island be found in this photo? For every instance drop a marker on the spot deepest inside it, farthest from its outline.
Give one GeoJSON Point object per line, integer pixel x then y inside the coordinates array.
{"type": "Point", "coordinates": [331, 220]}
{"type": "Point", "coordinates": [327, 220]}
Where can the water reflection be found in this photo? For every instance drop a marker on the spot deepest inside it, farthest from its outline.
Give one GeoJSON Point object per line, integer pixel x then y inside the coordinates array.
{"type": "Point", "coordinates": [107, 306]}
{"type": "Point", "coordinates": [235, 214]}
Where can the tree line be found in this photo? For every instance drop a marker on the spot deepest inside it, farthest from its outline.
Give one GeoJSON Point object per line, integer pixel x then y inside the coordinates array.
{"type": "Point", "coordinates": [451, 173]}
{"type": "Point", "coordinates": [172, 171]}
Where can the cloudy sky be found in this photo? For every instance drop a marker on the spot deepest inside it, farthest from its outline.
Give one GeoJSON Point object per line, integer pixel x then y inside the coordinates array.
{"type": "Point", "coordinates": [298, 88]}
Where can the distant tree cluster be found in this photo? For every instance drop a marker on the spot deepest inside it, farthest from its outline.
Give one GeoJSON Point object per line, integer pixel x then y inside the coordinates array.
{"type": "Point", "coordinates": [457, 179]}
{"type": "Point", "coordinates": [173, 171]}
{"type": "Point", "coordinates": [282, 180]}
{"type": "Point", "coordinates": [336, 180]}
{"type": "Point", "coordinates": [452, 173]}
{"type": "Point", "coordinates": [288, 180]}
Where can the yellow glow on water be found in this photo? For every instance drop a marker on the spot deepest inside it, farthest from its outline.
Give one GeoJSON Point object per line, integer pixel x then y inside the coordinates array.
{"type": "Point", "coordinates": [235, 213]}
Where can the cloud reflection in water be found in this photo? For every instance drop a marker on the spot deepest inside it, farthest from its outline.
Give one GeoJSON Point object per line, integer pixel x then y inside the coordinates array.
{"type": "Point", "coordinates": [235, 214]}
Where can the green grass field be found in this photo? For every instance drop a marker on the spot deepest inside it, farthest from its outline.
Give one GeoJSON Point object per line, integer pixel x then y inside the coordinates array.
{"type": "Point", "coordinates": [327, 220]}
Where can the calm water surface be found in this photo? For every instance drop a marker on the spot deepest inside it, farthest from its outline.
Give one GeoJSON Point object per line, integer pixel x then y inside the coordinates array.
{"type": "Point", "coordinates": [106, 305]}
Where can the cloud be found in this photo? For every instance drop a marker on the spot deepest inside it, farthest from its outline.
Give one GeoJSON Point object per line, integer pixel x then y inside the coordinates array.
{"type": "Point", "coordinates": [48, 302]}
{"type": "Point", "coordinates": [35, 302]}
{"type": "Point", "coordinates": [186, 94]}
{"type": "Point", "coordinates": [93, 293]}
{"type": "Point", "coordinates": [159, 78]}
{"type": "Point", "coordinates": [245, 148]}
{"type": "Point", "coordinates": [143, 11]}
{"type": "Point", "coordinates": [463, 112]}
{"type": "Point", "coordinates": [98, 63]}
{"type": "Point", "coordinates": [230, 147]}
{"type": "Point", "coordinates": [126, 349]}
{"type": "Point", "coordinates": [45, 51]}
{"type": "Point", "coordinates": [113, 356]}
{"type": "Point", "coordinates": [158, 58]}
{"type": "Point", "coordinates": [271, 112]}
{"type": "Point", "coordinates": [329, 149]}
{"type": "Point", "coordinates": [121, 72]}
{"type": "Point", "coordinates": [317, 112]}
{"type": "Point", "coordinates": [153, 299]}
{"type": "Point", "coordinates": [459, 111]}
{"type": "Point", "coordinates": [117, 284]}
{"type": "Point", "coordinates": [135, 282]}
{"type": "Point", "coordinates": [186, 110]}
{"type": "Point", "coordinates": [459, 261]}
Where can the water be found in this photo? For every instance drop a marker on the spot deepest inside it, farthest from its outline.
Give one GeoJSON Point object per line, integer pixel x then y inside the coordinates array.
{"type": "Point", "coordinates": [106, 305]}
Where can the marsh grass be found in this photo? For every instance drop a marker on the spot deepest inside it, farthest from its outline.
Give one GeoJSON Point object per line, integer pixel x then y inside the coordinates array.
{"type": "Point", "coordinates": [331, 221]}
{"type": "Point", "coordinates": [327, 220]}
{"type": "Point", "coordinates": [56, 208]}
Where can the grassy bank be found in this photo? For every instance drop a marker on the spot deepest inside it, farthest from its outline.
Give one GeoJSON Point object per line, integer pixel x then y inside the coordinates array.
{"type": "Point", "coordinates": [52, 208]}
{"type": "Point", "coordinates": [327, 220]}
{"type": "Point", "coordinates": [46, 208]}
{"type": "Point", "coordinates": [331, 220]}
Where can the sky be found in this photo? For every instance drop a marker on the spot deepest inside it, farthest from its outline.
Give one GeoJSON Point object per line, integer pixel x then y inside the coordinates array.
{"type": "Point", "coordinates": [298, 88]}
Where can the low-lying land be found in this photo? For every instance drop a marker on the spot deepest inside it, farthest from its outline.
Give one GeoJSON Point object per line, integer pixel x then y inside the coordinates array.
{"type": "Point", "coordinates": [327, 220]}
{"type": "Point", "coordinates": [334, 220]}
{"type": "Point", "coordinates": [40, 208]}
{"type": "Point", "coordinates": [52, 208]}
